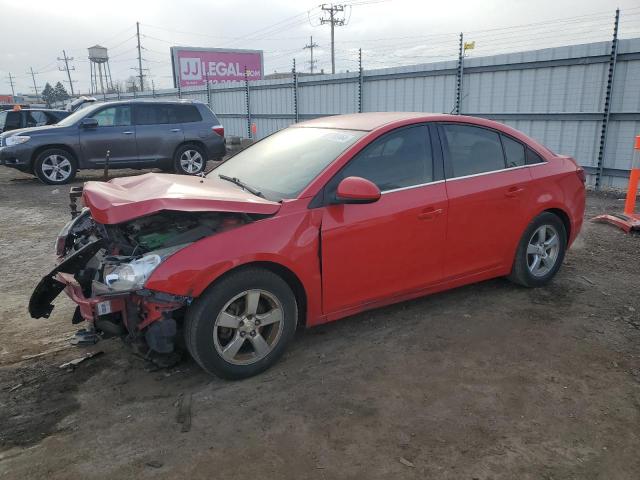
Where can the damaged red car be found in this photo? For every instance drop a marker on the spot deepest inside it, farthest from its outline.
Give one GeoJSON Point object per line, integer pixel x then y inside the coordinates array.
{"type": "Point", "coordinates": [319, 221]}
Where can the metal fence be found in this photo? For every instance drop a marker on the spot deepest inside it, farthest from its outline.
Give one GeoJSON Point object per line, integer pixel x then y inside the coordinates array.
{"type": "Point", "coordinates": [579, 100]}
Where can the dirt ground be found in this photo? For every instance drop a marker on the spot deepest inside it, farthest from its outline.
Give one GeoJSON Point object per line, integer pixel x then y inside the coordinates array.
{"type": "Point", "coordinates": [489, 381]}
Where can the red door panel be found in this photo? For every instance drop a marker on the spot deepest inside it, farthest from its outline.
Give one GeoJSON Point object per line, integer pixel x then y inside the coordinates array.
{"type": "Point", "coordinates": [382, 249]}
{"type": "Point", "coordinates": [485, 220]}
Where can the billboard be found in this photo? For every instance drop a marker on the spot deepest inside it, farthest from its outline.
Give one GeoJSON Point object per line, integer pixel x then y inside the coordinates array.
{"type": "Point", "coordinates": [194, 66]}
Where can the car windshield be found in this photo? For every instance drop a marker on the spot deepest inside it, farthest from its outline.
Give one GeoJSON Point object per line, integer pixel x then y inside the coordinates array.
{"type": "Point", "coordinates": [283, 164]}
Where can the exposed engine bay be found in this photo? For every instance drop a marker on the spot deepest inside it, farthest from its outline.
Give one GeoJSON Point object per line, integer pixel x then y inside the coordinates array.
{"type": "Point", "coordinates": [103, 268]}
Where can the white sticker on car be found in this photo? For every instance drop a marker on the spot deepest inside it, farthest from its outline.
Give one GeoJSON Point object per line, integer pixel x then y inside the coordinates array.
{"type": "Point", "coordinates": [339, 137]}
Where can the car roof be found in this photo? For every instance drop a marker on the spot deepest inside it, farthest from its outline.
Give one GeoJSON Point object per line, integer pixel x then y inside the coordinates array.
{"type": "Point", "coordinates": [362, 121]}
{"type": "Point", "coordinates": [42, 110]}
{"type": "Point", "coordinates": [373, 120]}
{"type": "Point", "coordinates": [145, 100]}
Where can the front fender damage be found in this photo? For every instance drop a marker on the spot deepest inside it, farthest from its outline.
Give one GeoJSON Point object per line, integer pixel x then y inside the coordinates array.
{"type": "Point", "coordinates": [89, 251]}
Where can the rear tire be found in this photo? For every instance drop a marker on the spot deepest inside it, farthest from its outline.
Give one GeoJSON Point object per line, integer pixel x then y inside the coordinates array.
{"type": "Point", "coordinates": [241, 325]}
{"type": "Point", "coordinates": [55, 166]}
{"type": "Point", "coordinates": [189, 160]}
{"type": "Point", "coordinates": [540, 252]}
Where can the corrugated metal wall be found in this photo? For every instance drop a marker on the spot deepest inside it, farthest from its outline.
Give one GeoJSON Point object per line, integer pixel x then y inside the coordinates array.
{"type": "Point", "coordinates": [554, 95]}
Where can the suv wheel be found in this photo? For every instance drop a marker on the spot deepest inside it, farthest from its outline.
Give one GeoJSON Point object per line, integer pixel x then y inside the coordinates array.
{"type": "Point", "coordinates": [190, 160]}
{"type": "Point", "coordinates": [241, 325]}
{"type": "Point", "coordinates": [55, 166]}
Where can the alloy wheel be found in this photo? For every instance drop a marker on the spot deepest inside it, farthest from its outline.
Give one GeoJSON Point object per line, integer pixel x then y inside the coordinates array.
{"type": "Point", "coordinates": [56, 168]}
{"type": "Point", "coordinates": [249, 327]}
{"type": "Point", "coordinates": [191, 161]}
{"type": "Point", "coordinates": [542, 250]}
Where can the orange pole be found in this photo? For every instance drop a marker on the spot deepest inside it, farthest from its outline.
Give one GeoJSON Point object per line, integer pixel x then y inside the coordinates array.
{"type": "Point", "coordinates": [634, 179]}
{"type": "Point", "coordinates": [632, 191]}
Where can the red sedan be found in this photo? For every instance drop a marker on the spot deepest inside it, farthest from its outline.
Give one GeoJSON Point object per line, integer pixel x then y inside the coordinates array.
{"type": "Point", "coordinates": [316, 222]}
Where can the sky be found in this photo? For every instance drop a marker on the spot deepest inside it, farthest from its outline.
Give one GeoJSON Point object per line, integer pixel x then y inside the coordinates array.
{"type": "Point", "coordinates": [390, 32]}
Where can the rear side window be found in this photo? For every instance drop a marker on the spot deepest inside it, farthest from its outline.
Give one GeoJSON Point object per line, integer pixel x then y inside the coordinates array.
{"type": "Point", "coordinates": [398, 159]}
{"type": "Point", "coordinates": [154, 114]}
{"type": "Point", "coordinates": [514, 151]}
{"type": "Point", "coordinates": [187, 113]}
{"type": "Point", "coordinates": [36, 119]}
{"type": "Point", "coordinates": [472, 150]}
{"type": "Point", "coordinates": [533, 157]}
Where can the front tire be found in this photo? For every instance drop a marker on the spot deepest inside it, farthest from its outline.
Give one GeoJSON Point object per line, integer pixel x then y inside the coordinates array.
{"type": "Point", "coordinates": [540, 252]}
{"type": "Point", "coordinates": [241, 325]}
{"type": "Point", "coordinates": [189, 160]}
{"type": "Point", "coordinates": [55, 166]}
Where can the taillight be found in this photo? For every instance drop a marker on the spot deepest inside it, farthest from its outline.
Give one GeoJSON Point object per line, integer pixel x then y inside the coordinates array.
{"type": "Point", "coordinates": [219, 129]}
{"type": "Point", "coordinates": [581, 175]}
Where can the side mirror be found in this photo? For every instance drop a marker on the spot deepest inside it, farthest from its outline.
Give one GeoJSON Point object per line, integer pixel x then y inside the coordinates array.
{"type": "Point", "coordinates": [357, 190]}
{"type": "Point", "coordinates": [89, 123]}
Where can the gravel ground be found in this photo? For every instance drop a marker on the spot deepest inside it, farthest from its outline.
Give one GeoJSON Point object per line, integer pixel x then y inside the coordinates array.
{"type": "Point", "coordinates": [488, 381]}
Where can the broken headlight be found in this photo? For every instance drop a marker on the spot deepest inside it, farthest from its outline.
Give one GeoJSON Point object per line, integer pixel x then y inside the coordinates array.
{"type": "Point", "coordinates": [133, 275]}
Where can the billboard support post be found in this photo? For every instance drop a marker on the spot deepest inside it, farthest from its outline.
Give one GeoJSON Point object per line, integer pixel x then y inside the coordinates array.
{"type": "Point", "coordinates": [247, 101]}
{"type": "Point", "coordinates": [295, 92]}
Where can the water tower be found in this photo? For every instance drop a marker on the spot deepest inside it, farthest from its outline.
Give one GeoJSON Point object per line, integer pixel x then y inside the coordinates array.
{"type": "Point", "coordinates": [100, 70]}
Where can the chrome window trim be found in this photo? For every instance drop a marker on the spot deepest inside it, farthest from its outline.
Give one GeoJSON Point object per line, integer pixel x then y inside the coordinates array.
{"type": "Point", "coordinates": [411, 186]}
{"type": "Point", "coordinates": [495, 171]}
{"type": "Point", "coordinates": [460, 178]}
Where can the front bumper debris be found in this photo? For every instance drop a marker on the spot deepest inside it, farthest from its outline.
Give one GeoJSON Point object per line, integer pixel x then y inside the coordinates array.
{"type": "Point", "coordinates": [49, 287]}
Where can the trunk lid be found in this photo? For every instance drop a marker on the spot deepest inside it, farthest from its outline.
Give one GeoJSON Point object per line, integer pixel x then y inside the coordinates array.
{"type": "Point", "coordinates": [123, 199]}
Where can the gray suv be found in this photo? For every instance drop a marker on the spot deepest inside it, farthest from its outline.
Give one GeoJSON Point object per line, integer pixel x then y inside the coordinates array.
{"type": "Point", "coordinates": [172, 135]}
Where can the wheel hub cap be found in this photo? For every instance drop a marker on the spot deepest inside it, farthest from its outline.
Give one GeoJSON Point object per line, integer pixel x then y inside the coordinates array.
{"type": "Point", "coordinates": [248, 327]}
{"type": "Point", "coordinates": [542, 250]}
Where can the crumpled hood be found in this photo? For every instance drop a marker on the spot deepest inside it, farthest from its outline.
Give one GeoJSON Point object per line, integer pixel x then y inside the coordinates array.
{"type": "Point", "coordinates": [123, 199]}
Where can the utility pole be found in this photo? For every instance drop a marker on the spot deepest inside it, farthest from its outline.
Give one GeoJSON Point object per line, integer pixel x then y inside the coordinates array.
{"type": "Point", "coordinates": [333, 21]}
{"type": "Point", "coordinates": [67, 69]}
{"type": "Point", "coordinates": [311, 46]}
{"type": "Point", "coordinates": [33, 77]}
{"type": "Point", "coordinates": [139, 57]}
{"type": "Point", "coordinates": [13, 92]}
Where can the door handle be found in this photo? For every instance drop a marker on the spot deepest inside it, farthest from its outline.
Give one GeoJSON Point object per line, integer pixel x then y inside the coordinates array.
{"type": "Point", "coordinates": [127, 133]}
{"type": "Point", "coordinates": [174, 130]}
{"type": "Point", "coordinates": [430, 213]}
{"type": "Point", "coordinates": [513, 192]}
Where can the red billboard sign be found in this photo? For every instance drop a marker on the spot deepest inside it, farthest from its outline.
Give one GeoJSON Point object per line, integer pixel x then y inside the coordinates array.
{"type": "Point", "coordinates": [195, 66]}
{"type": "Point", "coordinates": [6, 99]}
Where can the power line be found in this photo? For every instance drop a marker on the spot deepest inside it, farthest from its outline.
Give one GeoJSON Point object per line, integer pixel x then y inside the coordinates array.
{"type": "Point", "coordinates": [67, 69]}
{"type": "Point", "coordinates": [333, 21]}
{"type": "Point", "coordinates": [311, 46]}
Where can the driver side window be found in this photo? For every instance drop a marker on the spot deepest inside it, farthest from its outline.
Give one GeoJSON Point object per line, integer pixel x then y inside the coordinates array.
{"type": "Point", "coordinates": [398, 159]}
